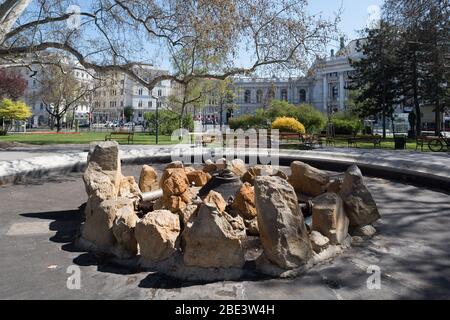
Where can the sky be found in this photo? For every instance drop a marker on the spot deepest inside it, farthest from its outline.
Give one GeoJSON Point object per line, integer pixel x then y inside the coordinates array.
{"type": "Point", "coordinates": [354, 17]}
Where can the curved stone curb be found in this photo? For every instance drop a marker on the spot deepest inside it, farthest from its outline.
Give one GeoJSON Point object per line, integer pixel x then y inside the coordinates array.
{"type": "Point", "coordinates": [426, 170]}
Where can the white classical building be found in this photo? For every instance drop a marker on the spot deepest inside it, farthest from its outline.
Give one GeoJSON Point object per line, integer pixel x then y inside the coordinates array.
{"type": "Point", "coordinates": [324, 87]}
{"type": "Point", "coordinates": [33, 73]}
{"type": "Point", "coordinates": [120, 91]}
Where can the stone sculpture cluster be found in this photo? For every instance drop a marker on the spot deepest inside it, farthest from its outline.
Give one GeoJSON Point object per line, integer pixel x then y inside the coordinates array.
{"type": "Point", "coordinates": [189, 237]}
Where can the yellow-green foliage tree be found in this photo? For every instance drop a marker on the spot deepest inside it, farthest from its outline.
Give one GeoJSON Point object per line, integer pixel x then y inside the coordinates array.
{"type": "Point", "coordinates": [286, 124]}
{"type": "Point", "coordinates": [11, 111]}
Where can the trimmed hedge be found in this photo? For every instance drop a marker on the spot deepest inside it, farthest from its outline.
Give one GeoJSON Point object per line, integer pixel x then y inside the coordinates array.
{"type": "Point", "coordinates": [286, 124]}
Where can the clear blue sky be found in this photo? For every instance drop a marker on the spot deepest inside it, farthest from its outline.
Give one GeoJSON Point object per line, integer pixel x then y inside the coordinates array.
{"type": "Point", "coordinates": [354, 17]}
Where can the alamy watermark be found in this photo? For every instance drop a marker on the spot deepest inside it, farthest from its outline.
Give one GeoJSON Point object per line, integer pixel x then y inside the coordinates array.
{"type": "Point", "coordinates": [74, 21]}
{"type": "Point", "coordinates": [374, 280]}
{"type": "Point", "coordinates": [74, 280]}
{"type": "Point", "coordinates": [252, 146]}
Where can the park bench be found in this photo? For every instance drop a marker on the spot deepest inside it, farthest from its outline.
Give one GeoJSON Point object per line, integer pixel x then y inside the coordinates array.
{"type": "Point", "coordinates": [423, 140]}
{"type": "Point", "coordinates": [375, 139]}
{"type": "Point", "coordinates": [120, 135]}
{"type": "Point", "coordinates": [304, 140]}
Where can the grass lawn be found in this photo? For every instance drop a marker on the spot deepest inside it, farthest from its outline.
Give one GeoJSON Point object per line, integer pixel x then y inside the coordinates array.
{"type": "Point", "coordinates": [387, 144]}
{"type": "Point", "coordinates": [80, 138]}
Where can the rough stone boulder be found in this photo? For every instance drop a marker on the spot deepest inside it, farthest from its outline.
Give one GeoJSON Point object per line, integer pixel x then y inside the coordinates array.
{"type": "Point", "coordinates": [215, 199]}
{"type": "Point", "coordinates": [188, 213]}
{"type": "Point", "coordinates": [189, 169]}
{"type": "Point", "coordinates": [100, 220]}
{"type": "Point", "coordinates": [105, 154]}
{"type": "Point", "coordinates": [148, 180]}
{"type": "Point", "coordinates": [209, 166]}
{"type": "Point", "coordinates": [175, 165]}
{"type": "Point", "coordinates": [238, 167]}
{"type": "Point", "coordinates": [174, 181]}
{"type": "Point", "coordinates": [335, 185]}
{"type": "Point", "coordinates": [211, 242]}
{"type": "Point", "coordinates": [364, 232]}
{"type": "Point", "coordinates": [198, 178]}
{"type": "Point", "coordinates": [244, 203]}
{"type": "Point", "coordinates": [174, 204]}
{"type": "Point", "coordinates": [252, 227]}
{"type": "Point", "coordinates": [307, 179]}
{"type": "Point", "coordinates": [123, 230]}
{"type": "Point", "coordinates": [281, 225]}
{"type": "Point", "coordinates": [129, 189]}
{"type": "Point", "coordinates": [157, 235]}
{"type": "Point", "coordinates": [237, 223]}
{"type": "Point", "coordinates": [318, 241]}
{"type": "Point", "coordinates": [359, 204]}
{"type": "Point", "coordinates": [257, 171]}
{"type": "Point", "coordinates": [103, 175]}
{"type": "Point", "coordinates": [329, 218]}
{"type": "Point", "coordinates": [100, 185]}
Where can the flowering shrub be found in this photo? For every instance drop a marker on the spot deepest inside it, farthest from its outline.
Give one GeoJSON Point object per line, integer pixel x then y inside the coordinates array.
{"type": "Point", "coordinates": [286, 124]}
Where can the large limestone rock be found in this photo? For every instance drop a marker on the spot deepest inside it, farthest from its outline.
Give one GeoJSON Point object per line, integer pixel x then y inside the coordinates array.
{"type": "Point", "coordinates": [148, 180]}
{"type": "Point", "coordinates": [318, 241]}
{"type": "Point", "coordinates": [209, 166]}
{"type": "Point", "coordinates": [100, 220]}
{"type": "Point", "coordinates": [211, 242]}
{"type": "Point", "coordinates": [329, 218]}
{"type": "Point", "coordinates": [123, 230]}
{"type": "Point", "coordinates": [175, 165]}
{"type": "Point", "coordinates": [238, 167]}
{"type": "Point", "coordinates": [198, 178]}
{"type": "Point", "coordinates": [257, 171]}
{"type": "Point", "coordinates": [307, 179]}
{"type": "Point", "coordinates": [128, 188]}
{"type": "Point", "coordinates": [244, 203]}
{"type": "Point", "coordinates": [174, 181]}
{"type": "Point", "coordinates": [105, 154]}
{"type": "Point", "coordinates": [335, 185]}
{"type": "Point", "coordinates": [157, 234]}
{"type": "Point", "coordinates": [173, 203]}
{"type": "Point", "coordinates": [252, 227]}
{"type": "Point", "coordinates": [281, 226]}
{"type": "Point", "coordinates": [359, 204]}
{"type": "Point", "coordinates": [103, 175]}
{"type": "Point", "coordinates": [188, 214]}
{"type": "Point", "coordinates": [100, 184]}
{"type": "Point", "coordinates": [215, 199]}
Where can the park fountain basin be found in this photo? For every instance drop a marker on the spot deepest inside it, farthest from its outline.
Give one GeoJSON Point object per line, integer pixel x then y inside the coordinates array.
{"type": "Point", "coordinates": [223, 220]}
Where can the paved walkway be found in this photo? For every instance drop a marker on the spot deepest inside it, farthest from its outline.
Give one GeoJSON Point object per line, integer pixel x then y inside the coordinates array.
{"type": "Point", "coordinates": [38, 160]}
{"type": "Point", "coordinates": [39, 220]}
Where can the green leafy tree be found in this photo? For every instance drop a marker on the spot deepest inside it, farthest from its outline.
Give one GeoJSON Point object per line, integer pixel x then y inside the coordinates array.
{"type": "Point", "coordinates": [375, 75]}
{"type": "Point", "coordinates": [128, 113]}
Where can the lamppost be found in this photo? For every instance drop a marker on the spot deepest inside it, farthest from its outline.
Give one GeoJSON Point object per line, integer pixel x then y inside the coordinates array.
{"type": "Point", "coordinates": [157, 120]}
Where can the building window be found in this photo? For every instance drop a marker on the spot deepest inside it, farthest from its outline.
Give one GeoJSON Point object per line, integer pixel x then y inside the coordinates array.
{"type": "Point", "coordinates": [140, 104]}
{"type": "Point", "coordinates": [284, 95]}
{"type": "Point", "coordinates": [259, 95]}
{"type": "Point", "coordinates": [140, 92]}
{"type": "Point", "coordinates": [150, 104]}
{"type": "Point", "coordinates": [247, 96]}
{"type": "Point", "coordinates": [335, 92]}
{"type": "Point", "coordinates": [302, 95]}
{"type": "Point", "coordinates": [159, 93]}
